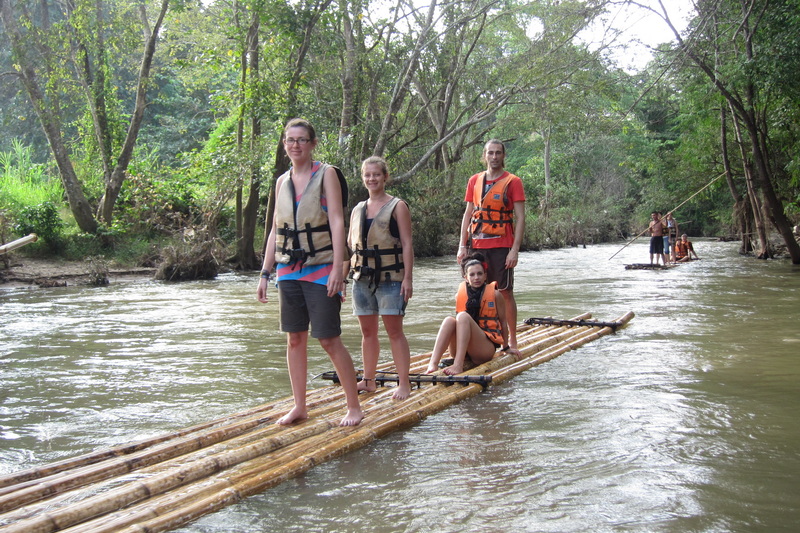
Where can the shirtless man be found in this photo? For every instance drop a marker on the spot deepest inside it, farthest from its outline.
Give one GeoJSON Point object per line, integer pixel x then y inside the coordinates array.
{"type": "Point", "coordinates": [657, 238]}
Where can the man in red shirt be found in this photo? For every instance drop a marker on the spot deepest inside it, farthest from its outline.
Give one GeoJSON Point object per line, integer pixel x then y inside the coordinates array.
{"type": "Point", "coordinates": [493, 224]}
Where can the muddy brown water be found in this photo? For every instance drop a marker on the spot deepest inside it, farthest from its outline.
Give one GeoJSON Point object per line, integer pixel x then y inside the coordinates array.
{"type": "Point", "coordinates": [686, 420]}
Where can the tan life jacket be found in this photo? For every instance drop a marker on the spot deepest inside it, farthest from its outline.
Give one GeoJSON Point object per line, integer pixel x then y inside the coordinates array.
{"type": "Point", "coordinates": [491, 215]}
{"type": "Point", "coordinates": [302, 231]}
{"type": "Point", "coordinates": [377, 256]}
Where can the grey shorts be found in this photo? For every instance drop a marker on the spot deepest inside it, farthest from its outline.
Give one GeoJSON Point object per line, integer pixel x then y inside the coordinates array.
{"type": "Point", "coordinates": [387, 299]}
{"type": "Point", "coordinates": [303, 303]}
{"type": "Point", "coordinates": [497, 271]}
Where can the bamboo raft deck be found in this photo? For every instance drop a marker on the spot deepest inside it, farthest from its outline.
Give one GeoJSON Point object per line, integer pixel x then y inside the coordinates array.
{"type": "Point", "coordinates": [164, 482]}
{"type": "Point", "coordinates": [649, 266]}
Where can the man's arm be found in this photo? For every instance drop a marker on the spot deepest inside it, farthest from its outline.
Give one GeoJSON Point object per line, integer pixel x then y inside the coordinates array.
{"type": "Point", "coordinates": [519, 231]}
{"type": "Point", "coordinates": [464, 234]}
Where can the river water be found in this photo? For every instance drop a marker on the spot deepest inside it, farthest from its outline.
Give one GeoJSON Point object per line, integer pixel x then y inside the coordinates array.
{"type": "Point", "coordinates": [686, 420]}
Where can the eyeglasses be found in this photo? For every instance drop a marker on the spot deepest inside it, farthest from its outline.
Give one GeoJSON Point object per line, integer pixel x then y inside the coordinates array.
{"type": "Point", "coordinates": [301, 141]}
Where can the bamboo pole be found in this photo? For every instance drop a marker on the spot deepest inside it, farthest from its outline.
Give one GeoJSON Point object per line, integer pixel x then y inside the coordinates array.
{"type": "Point", "coordinates": [13, 245]}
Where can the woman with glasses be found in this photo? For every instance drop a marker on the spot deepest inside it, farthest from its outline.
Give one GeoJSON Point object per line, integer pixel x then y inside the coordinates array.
{"type": "Point", "coordinates": [307, 245]}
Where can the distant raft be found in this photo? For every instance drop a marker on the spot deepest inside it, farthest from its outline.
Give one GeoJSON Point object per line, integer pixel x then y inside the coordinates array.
{"type": "Point", "coordinates": [164, 482]}
{"type": "Point", "coordinates": [649, 266]}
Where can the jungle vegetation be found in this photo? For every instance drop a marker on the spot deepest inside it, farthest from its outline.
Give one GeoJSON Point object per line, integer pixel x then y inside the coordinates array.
{"type": "Point", "coordinates": [130, 127]}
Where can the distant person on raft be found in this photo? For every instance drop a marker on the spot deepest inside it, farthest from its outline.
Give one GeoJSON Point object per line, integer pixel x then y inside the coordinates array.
{"type": "Point", "coordinates": [657, 228]}
{"type": "Point", "coordinates": [684, 250]}
{"type": "Point", "coordinates": [479, 327]}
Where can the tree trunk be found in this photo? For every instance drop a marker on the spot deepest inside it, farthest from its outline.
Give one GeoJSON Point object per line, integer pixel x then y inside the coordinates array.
{"type": "Point", "coordinates": [246, 240]}
{"type": "Point", "coordinates": [740, 206]}
{"type": "Point", "coordinates": [752, 194]}
{"type": "Point", "coordinates": [547, 191]}
{"type": "Point", "coordinates": [348, 82]}
{"type": "Point", "coordinates": [50, 123]}
{"type": "Point", "coordinates": [114, 182]}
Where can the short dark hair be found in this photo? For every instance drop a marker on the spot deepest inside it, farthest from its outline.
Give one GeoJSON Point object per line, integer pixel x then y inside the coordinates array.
{"type": "Point", "coordinates": [491, 141]}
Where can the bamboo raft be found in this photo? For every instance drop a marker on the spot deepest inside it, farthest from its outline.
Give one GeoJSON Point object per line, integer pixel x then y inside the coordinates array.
{"type": "Point", "coordinates": [649, 266]}
{"type": "Point", "coordinates": [164, 482]}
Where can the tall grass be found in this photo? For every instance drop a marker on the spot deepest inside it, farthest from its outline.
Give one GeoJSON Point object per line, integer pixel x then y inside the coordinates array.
{"type": "Point", "coordinates": [24, 183]}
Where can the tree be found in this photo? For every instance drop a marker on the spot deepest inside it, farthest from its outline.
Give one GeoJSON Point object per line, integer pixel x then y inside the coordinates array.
{"type": "Point", "coordinates": [731, 43]}
{"type": "Point", "coordinates": [80, 38]}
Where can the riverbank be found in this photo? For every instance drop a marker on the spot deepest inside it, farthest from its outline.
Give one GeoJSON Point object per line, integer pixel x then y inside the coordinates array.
{"type": "Point", "coordinates": [35, 272]}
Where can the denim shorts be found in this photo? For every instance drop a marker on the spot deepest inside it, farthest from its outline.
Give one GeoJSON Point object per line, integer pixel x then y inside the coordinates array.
{"type": "Point", "coordinates": [387, 300]}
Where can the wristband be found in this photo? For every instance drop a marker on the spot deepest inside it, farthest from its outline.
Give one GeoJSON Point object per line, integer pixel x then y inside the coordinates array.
{"type": "Point", "coordinates": [266, 275]}
{"type": "Point", "coordinates": [506, 348]}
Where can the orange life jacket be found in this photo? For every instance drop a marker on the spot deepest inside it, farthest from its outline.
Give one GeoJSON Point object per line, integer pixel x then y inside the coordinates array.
{"type": "Point", "coordinates": [491, 214]}
{"type": "Point", "coordinates": [682, 249]}
{"type": "Point", "coordinates": [488, 319]}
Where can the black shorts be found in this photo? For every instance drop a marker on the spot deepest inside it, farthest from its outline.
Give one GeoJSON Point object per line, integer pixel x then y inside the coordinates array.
{"type": "Point", "coordinates": [656, 245]}
{"type": "Point", "coordinates": [497, 271]}
{"type": "Point", "coordinates": [303, 303]}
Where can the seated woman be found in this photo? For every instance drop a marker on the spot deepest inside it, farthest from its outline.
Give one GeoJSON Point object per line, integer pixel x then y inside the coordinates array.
{"type": "Point", "coordinates": [684, 250]}
{"type": "Point", "coordinates": [479, 327]}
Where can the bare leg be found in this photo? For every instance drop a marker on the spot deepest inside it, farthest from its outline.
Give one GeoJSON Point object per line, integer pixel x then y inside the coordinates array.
{"type": "Point", "coordinates": [370, 350]}
{"type": "Point", "coordinates": [446, 333]}
{"type": "Point", "coordinates": [469, 338]}
{"type": "Point", "coordinates": [511, 317]}
{"type": "Point", "coordinates": [343, 364]}
{"type": "Point", "coordinates": [401, 354]}
{"type": "Point", "coordinates": [297, 360]}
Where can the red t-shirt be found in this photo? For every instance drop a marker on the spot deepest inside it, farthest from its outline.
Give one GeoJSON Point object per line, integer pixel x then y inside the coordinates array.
{"type": "Point", "coordinates": [514, 193]}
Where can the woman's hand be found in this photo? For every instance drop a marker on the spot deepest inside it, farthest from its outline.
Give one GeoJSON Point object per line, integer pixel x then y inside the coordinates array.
{"type": "Point", "coordinates": [261, 293]}
{"type": "Point", "coordinates": [406, 290]}
{"type": "Point", "coordinates": [335, 282]}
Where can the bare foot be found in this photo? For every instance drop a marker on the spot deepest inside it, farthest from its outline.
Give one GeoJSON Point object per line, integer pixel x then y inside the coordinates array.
{"type": "Point", "coordinates": [402, 392]}
{"type": "Point", "coordinates": [453, 370]}
{"type": "Point", "coordinates": [295, 415]}
{"type": "Point", "coordinates": [431, 368]}
{"type": "Point", "coordinates": [366, 384]}
{"type": "Point", "coordinates": [352, 418]}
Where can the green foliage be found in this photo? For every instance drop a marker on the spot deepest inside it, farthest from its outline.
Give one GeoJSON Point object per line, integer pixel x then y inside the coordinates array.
{"type": "Point", "coordinates": [608, 167]}
{"type": "Point", "coordinates": [44, 221]}
{"type": "Point", "coordinates": [23, 182]}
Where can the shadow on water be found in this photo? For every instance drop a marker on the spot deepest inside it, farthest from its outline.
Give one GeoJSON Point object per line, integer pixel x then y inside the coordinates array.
{"type": "Point", "coordinates": [683, 421]}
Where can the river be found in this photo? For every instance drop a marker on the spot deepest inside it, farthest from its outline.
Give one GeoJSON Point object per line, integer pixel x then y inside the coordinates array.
{"type": "Point", "coordinates": [686, 420]}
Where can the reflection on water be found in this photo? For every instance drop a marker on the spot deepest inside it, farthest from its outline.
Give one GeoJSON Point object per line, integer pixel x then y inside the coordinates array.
{"type": "Point", "coordinates": [683, 421]}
